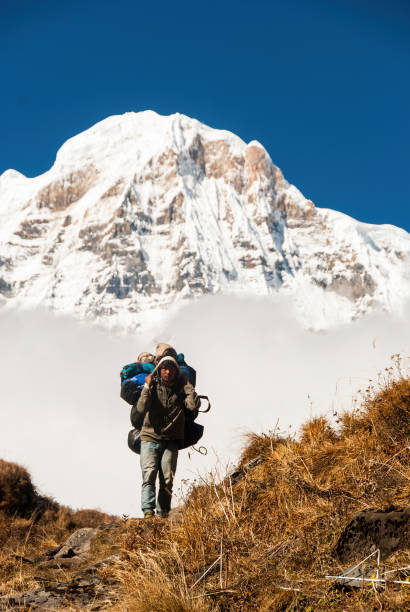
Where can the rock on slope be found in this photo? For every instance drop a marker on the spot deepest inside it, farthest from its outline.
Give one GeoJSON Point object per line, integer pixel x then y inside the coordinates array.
{"type": "Point", "coordinates": [141, 211]}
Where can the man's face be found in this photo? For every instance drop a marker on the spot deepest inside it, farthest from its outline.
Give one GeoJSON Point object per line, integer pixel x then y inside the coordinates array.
{"type": "Point", "coordinates": [168, 373]}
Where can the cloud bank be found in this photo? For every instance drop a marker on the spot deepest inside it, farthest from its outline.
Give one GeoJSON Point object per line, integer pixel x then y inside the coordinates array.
{"type": "Point", "coordinates": [63, 419]}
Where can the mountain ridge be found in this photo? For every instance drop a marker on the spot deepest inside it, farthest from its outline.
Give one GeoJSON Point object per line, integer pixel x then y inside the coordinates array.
{"type": "Point", "coordinates": [141, 212]}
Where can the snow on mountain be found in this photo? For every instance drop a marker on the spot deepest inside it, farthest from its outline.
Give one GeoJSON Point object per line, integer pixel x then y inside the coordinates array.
{"type": "Point", "coordinates": [142, 211]}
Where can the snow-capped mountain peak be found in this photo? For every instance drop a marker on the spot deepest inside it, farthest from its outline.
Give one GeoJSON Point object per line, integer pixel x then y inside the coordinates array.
{"type": "Point", "coordinates": [141, 211]}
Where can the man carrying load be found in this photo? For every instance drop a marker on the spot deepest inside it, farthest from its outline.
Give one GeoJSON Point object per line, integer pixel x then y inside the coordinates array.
{"type": "Point", "coordinates": [166, 395]}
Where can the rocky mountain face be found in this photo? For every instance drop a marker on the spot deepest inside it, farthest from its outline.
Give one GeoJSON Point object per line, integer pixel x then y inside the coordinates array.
{"type": "Point", "coordinates": [142, 211]}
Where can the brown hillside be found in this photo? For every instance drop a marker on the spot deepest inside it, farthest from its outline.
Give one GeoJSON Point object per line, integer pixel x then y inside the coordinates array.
{"type": "Point", "coordinates": [31, 524]}
{"type": "Point", "coordinates": [277, 527]}
{"type": "Point", "coordinates": [276, 523]}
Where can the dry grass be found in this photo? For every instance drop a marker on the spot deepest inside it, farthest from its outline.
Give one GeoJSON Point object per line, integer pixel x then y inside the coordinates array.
{"type": "Point", "coordinates": [278, 526]}
{"type": "Point", "coordinates": [275, 529]}
{"type": "Point", "coordinates": [31, 524]}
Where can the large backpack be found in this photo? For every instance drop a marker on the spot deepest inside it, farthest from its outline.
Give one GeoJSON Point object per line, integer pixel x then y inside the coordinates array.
{"type": "Point", "coordinates": [131, 388]}
{"type": "Point", "coordinates": [132, 382]}
{"type": "Point", "coordinates": [133, 377]}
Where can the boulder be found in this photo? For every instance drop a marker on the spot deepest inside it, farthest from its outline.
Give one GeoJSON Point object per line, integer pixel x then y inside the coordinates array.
{"type": "Point", "coordinates": [370, 530]}
{"type": "Point", "coordinates": [78, 543]}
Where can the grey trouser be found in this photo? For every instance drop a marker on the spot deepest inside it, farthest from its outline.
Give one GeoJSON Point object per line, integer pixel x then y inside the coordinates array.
{"type": "Point", "coordinates": [158, 458]}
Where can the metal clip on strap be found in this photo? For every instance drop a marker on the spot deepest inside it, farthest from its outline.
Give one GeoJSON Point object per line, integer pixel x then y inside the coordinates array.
{"type": "Point", "coordinates": [202, 450]}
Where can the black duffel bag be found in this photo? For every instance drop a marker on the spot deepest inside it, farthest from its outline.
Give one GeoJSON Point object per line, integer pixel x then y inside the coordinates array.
{"type": "Point", "coordinates": [193, 432]}
{"type": "Point", "coordinates": [134, 440]}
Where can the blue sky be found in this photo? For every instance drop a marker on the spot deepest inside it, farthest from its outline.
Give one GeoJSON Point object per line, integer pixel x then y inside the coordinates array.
{"type": "Point", "coordinates": [323, 85]}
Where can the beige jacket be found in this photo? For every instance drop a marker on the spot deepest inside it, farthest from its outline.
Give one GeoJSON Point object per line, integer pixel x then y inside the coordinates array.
{"type": "Point", "coordinates": [162, 409]}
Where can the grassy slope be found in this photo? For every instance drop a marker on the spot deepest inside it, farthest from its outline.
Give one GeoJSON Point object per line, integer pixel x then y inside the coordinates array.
{"type": "Point", "coordinates": [31, 524]}
{"type": "Point", "coordinates": [276, 527]}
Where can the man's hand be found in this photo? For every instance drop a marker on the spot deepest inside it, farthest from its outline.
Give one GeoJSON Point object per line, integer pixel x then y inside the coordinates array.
{"type": "Point", "coordinates": [148, 380]}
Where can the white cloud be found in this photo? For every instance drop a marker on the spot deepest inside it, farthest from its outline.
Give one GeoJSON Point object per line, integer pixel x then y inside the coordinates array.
{"type": "Point", "coordinates": [63, 419]}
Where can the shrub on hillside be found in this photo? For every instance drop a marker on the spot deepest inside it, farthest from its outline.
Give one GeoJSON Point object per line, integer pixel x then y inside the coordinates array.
{"type": "Point", "coordinates": [384, 414]}
{"type": "Point", "coordinates": [17, 493]}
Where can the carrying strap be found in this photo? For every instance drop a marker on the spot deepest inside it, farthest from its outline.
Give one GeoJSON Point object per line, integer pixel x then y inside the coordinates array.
{"type": "Point", "coordinates": [205, 397]}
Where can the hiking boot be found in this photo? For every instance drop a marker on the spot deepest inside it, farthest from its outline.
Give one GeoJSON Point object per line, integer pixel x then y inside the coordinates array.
{"type": "Point", "coordinates": [163, 515]}
{"type": "Point", "coordinates": [148, 514]}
